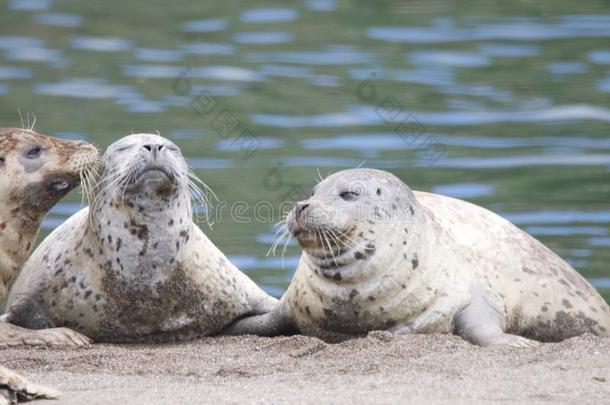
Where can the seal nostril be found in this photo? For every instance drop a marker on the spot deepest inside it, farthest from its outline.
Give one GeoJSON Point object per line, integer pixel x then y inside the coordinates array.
{"type": "Point", "coordinates": [160, 147]}
{"type": "Point", "coordinates": [301, 208]}
{"type": "Point", "coordinates": [148, 148]}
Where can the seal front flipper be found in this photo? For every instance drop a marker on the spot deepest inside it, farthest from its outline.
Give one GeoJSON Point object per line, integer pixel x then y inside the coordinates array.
{"type": "Point", "coordinates": [13, 388]}
{"type": "Point", "coordinates": [479, 322]}
{"type": "Point", "coordinates": [26, 324]}
{"type": "Point", "coordinates": [12, 336]}
{"type": "Point", "coordinates": [274, 323]}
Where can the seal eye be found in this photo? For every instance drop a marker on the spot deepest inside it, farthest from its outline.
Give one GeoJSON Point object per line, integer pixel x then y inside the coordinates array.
{"type": "Point", "coordinates": [348, 195]}
{"type": "Point", "coordinates": [34, 152]}
{"type": "Point", "coordinates": [1, 161]}
{"type": "Point", "coordinates": [124, 148]}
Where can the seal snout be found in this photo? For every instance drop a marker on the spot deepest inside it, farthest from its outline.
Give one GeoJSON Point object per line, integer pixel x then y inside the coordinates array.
{"type": "Point", "coordinates": [158, 165]}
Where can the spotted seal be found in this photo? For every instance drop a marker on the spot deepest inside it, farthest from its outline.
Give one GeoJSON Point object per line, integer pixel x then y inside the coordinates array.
{"type": "Point", "coordinates": [36, 171]}
{"type": "Point", "coordinates": [378, 256]}
{"type": "Point", "coordinates": [134, 266]}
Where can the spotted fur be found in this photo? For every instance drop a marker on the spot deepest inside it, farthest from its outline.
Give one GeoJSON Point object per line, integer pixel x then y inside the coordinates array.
{"type": "Point", "coordinates": [134, 267]}
{"type": "Point", "coordinates": [414, 262]}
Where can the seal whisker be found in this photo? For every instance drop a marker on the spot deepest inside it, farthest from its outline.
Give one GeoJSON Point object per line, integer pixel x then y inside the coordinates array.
{"type": "Point", "coordinates": [199, 198]}
{"type": "Point", "coordinates": [101, 187]}
{"type": "Point", "coordinates": [31, 128]}
{"type": "Point", "coordinates": [195, 178]}
{"type": "Point", "coordinates": [332, 253]}
{"type": "Point", "coordinates": [21, 118]}
{"type": "Point", "coordinates": [285, 248]}
{"type": "Point", "coordinates": [278, 239]}
{"type": "Point", "coordinates": [355, 243]}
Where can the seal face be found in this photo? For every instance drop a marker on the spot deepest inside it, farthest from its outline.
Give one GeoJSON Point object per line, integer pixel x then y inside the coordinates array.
{"type": "Point", "coordinates": [134, 267]}
{"type": "Point", "coordinates": [377, 255]}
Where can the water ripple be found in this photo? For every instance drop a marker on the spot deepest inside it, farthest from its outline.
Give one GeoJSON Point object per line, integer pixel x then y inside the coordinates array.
{"type": "Point", "coordinates": [449, 58]}
{"type": "Point", "coordinates": [29, 5]}
{"type": "Point", "coordinates": [600, 56]}
{"type": "Point", "coordinates": [59, 20]}
{"type": "Point", "coordinates": [157, 55]}
{"type": "Point", "coordinates": [11, 72]}
{"type": "Point", "coordinates": [332, 55]}
{"type": "Point", "coordinates": [211, 25]}
{"type": "Point", "coordinates": [269, 15]}
{"type": "Point", "coordinates": [464, 190]}
{"type": "Point", "coordinates": [87, 88]}
{"type": "Point", "coordinates": [208, 48]}
{"type": "Point", "coordinates": [369, 116]}
{"type": "Point", "coordinates": [101, 44]}
{"type": "Point", "coordinates": [525, 30]}
{"type": "Point", "coordinates": [263, 38]}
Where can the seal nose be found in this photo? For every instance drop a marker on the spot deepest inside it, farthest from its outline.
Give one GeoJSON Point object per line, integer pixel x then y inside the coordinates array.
{"type": "Point", "coordinates": [153, 149]}
{"type": "Point", "coordinates": [300, 208]}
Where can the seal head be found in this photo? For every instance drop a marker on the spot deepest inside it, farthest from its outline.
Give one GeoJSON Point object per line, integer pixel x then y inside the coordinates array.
{"type": "Point", "coordinates": [343, 226]}
{"type": "Point", "coordinates": [36, 171]}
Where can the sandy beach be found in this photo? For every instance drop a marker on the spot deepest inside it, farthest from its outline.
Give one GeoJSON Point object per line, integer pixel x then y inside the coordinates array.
{"type": "Point", "coordinates": [381, 368]}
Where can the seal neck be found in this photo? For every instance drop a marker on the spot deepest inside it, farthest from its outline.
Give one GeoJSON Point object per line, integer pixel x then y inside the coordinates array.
{"type": "Point", "coordinates": [17, 235]}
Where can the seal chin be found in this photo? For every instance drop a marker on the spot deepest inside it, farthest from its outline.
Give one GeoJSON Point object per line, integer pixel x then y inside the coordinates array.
{"type": "Point", "coordinates": [154, 177]}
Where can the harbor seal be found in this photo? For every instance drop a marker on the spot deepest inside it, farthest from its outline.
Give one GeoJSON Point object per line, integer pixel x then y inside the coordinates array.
{"type": "Point", "coordinates": [378, 256]}
{"type": "Point", "coordinates": [133, 266]}
{"type": "Point", "coordinates": [36, 171]}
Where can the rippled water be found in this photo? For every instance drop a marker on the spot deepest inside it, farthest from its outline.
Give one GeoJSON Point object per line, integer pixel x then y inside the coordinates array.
{"type": "Point", "coordinates": [503, 104]}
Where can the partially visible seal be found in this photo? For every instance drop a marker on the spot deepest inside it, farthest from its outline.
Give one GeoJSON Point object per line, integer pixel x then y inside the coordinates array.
{"type": "Point", "coordinates": [134, 267]}
{"type": "Point", "coordinates": [36, 171]}
{"type": "Point", "coordinates": [377, 256]}
{"type": "Point", "coordinates": [14, 388]}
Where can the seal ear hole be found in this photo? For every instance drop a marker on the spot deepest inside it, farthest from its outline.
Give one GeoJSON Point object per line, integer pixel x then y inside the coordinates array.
{"type": "Point", "coordinates": [378, 191]}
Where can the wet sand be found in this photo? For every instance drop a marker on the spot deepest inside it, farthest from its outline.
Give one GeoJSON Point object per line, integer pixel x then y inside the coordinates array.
{"type": "Point", "coordinates": [380, 368]}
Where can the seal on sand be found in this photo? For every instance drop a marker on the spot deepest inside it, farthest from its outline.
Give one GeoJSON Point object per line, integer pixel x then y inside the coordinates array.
{"type": "Point", "coordinates": [377, 255]}
{"type": "Point", "coordinates": [36, 171]}
{"type": "Point", "coordinates": [134, 267]}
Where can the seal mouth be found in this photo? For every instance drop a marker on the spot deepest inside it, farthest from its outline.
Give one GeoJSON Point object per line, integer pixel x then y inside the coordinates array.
{"type": "Point", "coordinates": [155, 173]}
{"type": "Point", "coordinates": [322, 241]}
{"type": "Point", "coordinates": [61, 184]}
